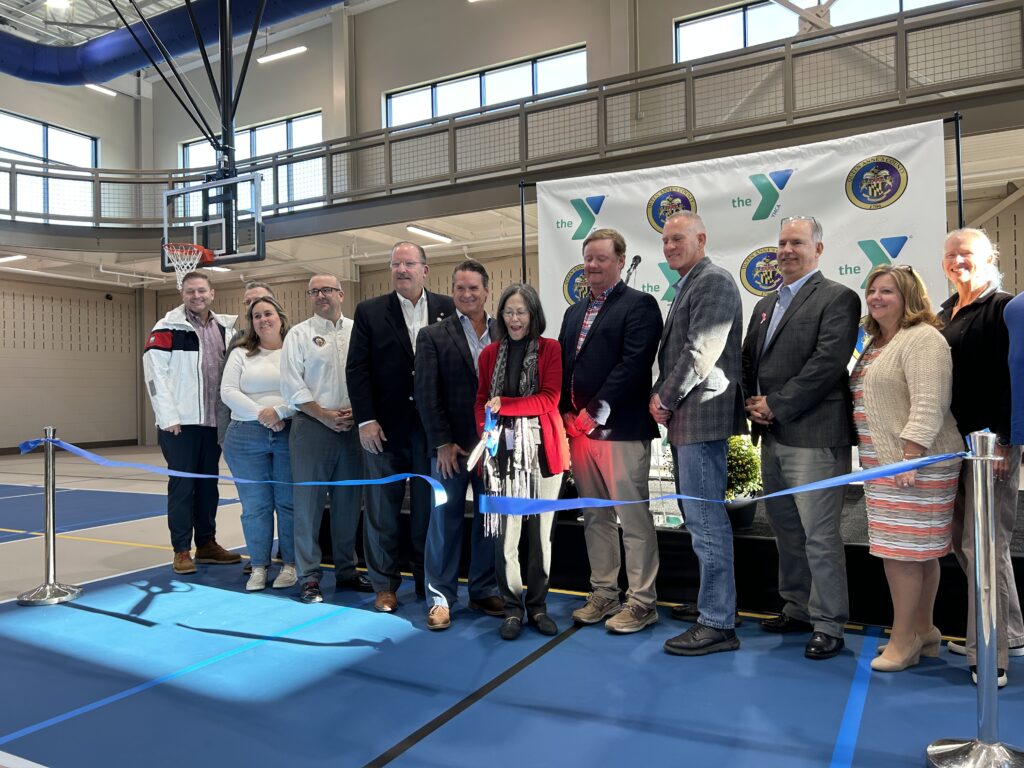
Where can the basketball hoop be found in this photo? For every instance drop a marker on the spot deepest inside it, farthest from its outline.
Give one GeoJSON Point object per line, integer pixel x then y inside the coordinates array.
{"type": "Point", "coordinates": [185, 257]}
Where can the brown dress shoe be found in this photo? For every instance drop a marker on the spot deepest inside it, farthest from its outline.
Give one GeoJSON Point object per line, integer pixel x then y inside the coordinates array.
{"type": "Point", "coordinates": [183, 563]}
{"type": "Point", "coordinates": [439, 618]}
{"type": "Point", "coordinates": [214, 554]}
{"type": "Point", "coordinates": [386, 601]}
{"type": "Point", "coordinates": [492, 606]}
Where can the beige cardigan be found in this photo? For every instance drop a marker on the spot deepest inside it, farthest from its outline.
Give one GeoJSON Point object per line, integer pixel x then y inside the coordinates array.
{"type": "Point", "coordinates": [907, 390]}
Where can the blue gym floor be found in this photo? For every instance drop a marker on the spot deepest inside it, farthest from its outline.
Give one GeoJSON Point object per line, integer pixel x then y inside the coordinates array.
{"type": "Point", "coordinates": [155, 669]}
{"type": "Point", "coordinates": [21, 509]}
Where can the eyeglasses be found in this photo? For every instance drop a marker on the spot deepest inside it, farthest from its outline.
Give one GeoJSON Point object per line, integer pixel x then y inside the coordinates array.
{"type": "Point", "coordinates": [406, 264]}
{"type": "Point", "coordinates": [514, 314]}
{"type": "Point", "coordinates": [327, 290]}
{"type": "Point", "coordinates": [903, 268]}
{"type": "Point", "coordinates": [799, 218]}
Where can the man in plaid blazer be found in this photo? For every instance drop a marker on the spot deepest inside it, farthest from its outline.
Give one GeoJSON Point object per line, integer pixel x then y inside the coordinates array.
{"type": "Point", "coordinates": [447, 355]}
{"type": "Point", "coordinates": [795, 357]}
{"type": "Point", "coordinates": [697, 397]}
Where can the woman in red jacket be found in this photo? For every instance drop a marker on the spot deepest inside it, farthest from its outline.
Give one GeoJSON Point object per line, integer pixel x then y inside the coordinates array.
{"type": "Point", "coordinates": [520, 381]}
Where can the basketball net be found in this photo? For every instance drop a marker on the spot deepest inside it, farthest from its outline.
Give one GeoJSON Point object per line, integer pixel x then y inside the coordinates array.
{"type": "Point", "coordinates": [185, 257]}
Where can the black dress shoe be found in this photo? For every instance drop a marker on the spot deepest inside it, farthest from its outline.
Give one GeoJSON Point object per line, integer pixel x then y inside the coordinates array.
{"type": "Point", "coordinates": [700, 640]}
{"type": "Point", "coordinates": [311, 593]}
{"type": "Point", "coordinates": [690, 612]}
{"type": "Point", "coordinates": [544, 624]}
{"type": "Point", "coordinates": [510, 628]}
{"type": "Point", "coordinates": [784, 624]}
{"type": "Point", "coordinates": [356, 582]}
{"type": "Point", "coordinates": [822, 646]}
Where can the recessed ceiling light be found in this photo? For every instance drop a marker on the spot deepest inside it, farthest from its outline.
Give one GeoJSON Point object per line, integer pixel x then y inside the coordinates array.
{"type": "Point", "coordinates": [100, 89]}
{"type": "Point", "coordinates": [58, 5]}
{"type": "Point", "coordinates": [281, 55]}
{"type": "Point", "coordinates": [13, 257]}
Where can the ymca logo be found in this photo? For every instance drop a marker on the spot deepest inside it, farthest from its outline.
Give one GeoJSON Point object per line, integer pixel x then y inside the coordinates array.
{"type": "Point", "coordinates": [769, 186]}
{"type": "Point", "coordinates": [587, 208]}
{"type": "Point", "coordinates": [882, 251]}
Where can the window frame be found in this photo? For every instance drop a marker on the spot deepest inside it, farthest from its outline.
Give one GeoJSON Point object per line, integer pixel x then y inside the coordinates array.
{"type": "Point", "coordinates": [287, 122]}
{"type": "Point", "coordinates": [480, 74]}
{"type": "Point", "coordinates": [94, 154]}
{"type": "Point", "coordinates": [744, 8]}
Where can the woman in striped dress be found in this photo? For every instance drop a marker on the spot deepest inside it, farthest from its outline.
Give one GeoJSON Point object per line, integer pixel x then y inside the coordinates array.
{"type": "Point", "coordinates": [901, 388]}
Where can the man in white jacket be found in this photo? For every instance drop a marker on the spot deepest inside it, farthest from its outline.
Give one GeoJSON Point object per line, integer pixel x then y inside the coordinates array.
{"type": "Point", "coordinates": [182, 364]}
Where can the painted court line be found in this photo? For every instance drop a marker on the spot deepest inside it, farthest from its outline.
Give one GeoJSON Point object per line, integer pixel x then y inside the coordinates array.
{"type": "Point", "coordinates": [120, 696]}
{"type": "Point", "coordinates": [849, 728]}
{"type": "Point", "coordinates": [455, 710]}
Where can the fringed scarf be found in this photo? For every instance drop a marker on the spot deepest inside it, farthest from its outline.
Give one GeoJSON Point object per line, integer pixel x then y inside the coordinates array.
{"type": "Point", "coordinates": [519, 480]}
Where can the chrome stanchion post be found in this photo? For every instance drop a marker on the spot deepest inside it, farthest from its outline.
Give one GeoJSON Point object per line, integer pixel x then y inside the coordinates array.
{"type": "Point", "coordinates": [985, 750]}
{"type": "Point", "coordinates": [51, 591]}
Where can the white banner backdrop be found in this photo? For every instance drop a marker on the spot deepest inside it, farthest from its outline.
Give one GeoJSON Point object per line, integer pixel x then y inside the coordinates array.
{"type": "Point", "coordinates": [880, 198]}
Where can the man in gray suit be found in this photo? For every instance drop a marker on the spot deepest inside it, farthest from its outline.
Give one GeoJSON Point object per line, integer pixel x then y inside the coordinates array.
{"type": "Point", "coordinates": [697, 397]}
{"type": "Point", "coordinates": [795, 358]}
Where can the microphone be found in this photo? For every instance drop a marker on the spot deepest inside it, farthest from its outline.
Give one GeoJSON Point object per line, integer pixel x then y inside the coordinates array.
{"type": "Point", "coordinates": [632, 268]}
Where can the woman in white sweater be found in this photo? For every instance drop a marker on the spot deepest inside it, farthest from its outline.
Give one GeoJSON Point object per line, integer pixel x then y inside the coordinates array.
{"type": "Point", "coordinates": [256, 444]}
{"type": "Point", "coordinates": [901, 388]}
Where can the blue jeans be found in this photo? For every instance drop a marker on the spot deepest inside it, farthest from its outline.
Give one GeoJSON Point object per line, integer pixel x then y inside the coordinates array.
{"type": "Point", "coordinates": [444, 542]}
{"type": "Point", "coordinates": [254, 452]}
{"type": "Point", "coordinates": [700, 471]}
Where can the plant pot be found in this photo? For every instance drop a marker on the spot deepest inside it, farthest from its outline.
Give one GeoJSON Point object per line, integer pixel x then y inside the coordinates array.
{"type": "Point", "coordinates": [741, 513]}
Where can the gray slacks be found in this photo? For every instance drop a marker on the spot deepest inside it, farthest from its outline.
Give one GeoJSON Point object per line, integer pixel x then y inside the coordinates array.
{"type": "Point", "coordinates": [617, 470]}
{"type": "Point", "coordinates": [318, 453]}
{"type": "Point", "coordinates": [1009, 625]}
{"type": "Point", "coordinates": [812, 559]}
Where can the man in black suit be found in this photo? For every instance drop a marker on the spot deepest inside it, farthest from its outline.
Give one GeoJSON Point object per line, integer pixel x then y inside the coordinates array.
{"type": "Point", "coordinates": [795, 357]}
{"type": "Point", "coordinates": [609, 342]}
{"type": "Point", "coordinates": [446, 382]}
{"type": "Point", "coordinates": [380, 384]}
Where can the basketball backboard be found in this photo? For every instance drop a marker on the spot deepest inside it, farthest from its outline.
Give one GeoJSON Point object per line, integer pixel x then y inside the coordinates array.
{"type": "Point", "coordinates": [196, 214]}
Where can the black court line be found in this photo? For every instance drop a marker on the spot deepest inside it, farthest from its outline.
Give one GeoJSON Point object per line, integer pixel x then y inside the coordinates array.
{"type": "Point", "coordinates": [456, 709]}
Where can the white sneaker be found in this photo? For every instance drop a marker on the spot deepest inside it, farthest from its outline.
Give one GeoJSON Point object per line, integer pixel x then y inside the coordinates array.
{"type": "Point", "coordinates": [960, 649]}
{"type": "Point", "coordinates": [1001, 678]}
{"type": "Point", "coordinates": [286, 578]}
{"type": "Point", "coordinates": [258, 579]}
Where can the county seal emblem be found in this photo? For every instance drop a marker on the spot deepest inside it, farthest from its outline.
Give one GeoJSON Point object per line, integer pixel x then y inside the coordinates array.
{"type": "Point", "coordinates": [876, 182]}
{"type": "Point", "coordinates": [575, 287]}
{"type": "Point", "coordinates": [759, 272]}
{"type": "Point", "coordinates": [666, 202]}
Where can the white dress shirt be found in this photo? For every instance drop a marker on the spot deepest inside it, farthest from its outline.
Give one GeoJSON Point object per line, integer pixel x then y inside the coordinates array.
{"type": "Point", "coordinates": [313, 363]}
{"type": "Point", "coordinates": [415, 315]}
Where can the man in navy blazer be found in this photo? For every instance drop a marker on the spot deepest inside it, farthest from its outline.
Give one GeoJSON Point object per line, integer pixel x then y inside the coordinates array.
{"type": "Point", "coordinates": [380, 384]}
{"type": "Point", "coordinates": [609, 342]}
{"type": "Point", "coordinates": [697, 397]}
{"type": "Point", "coordinates": [795, 357]}
{"type": "Point", "coordinates": [447, 355]}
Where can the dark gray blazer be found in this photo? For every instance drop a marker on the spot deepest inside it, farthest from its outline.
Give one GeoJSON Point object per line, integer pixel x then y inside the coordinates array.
{"type": "Point", "coordinates": [699, 360]}
{"type": "Point", "coordinates": [446, 384]}
{"type": "Point", "coordinates": [803, 371]}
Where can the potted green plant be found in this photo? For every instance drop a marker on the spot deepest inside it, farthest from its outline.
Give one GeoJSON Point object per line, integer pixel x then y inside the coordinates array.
{"type": "Point", "coordinates": [743, 480]}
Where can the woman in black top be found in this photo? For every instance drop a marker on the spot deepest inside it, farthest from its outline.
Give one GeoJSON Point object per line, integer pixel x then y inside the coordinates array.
{"type": "Point", "coordinates": [979, 342]}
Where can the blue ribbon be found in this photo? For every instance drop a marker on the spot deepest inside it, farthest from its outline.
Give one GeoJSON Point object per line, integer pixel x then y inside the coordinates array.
{"type": "Point", "coordinates": [440, 496]}
{"type": "Point", "coordinates": [506, 505]}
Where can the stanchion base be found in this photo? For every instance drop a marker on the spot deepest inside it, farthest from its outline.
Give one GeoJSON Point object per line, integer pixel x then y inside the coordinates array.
{"type": "Point", "coordinates": [50, 594]}
{"type": "Point", "coordinates": [958, 753]}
